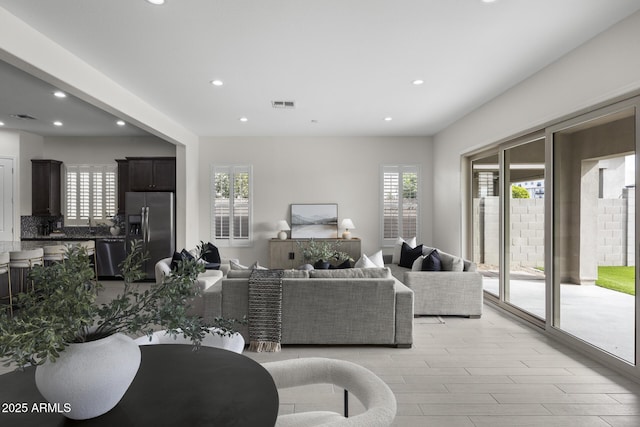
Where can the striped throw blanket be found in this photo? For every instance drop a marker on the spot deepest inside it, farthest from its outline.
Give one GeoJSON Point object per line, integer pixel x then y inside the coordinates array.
{"type": "Point", "coordinates": [265, 310]}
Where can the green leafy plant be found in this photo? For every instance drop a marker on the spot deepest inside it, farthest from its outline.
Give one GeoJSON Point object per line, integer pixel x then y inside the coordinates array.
{"type": "Point", "coordinates": [314, 250]}
{"type": "Point", "coordinates": [63, 308]}
{"type": "Point", "coordinates": [518, 192]}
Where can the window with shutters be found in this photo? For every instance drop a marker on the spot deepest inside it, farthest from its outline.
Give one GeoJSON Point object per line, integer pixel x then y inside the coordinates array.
{"type": "Point", "coordinates": [400, 210]}
{"type": "Point", "coordinates": [90, 194]}
{"type": "Point", "coordinates": [231, 189]}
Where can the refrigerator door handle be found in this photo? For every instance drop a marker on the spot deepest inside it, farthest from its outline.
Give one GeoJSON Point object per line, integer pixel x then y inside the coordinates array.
{"type": "Point", "coordinates": [148, 227]}
{"type": "Point", "coordinates": [144, 225]}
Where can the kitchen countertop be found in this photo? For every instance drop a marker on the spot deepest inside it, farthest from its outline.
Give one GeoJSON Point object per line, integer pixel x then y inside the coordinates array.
{"type": "Point", "coordinates": [39, 241]}
{"type": "Point", "coordinates": [66, 238]}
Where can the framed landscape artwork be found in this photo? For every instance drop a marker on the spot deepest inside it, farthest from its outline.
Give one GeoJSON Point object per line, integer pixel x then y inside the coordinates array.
{"type": "Point", "coordinates": [314, 220]}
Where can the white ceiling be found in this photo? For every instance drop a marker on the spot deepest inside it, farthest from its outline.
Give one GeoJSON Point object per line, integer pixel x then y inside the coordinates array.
{"type": "Point", "coordinates": [347, 64]}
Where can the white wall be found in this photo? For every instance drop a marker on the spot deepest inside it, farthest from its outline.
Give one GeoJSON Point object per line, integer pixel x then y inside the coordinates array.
{"type": "Point", "coordinates": [606, 67]}
{"type": "Point", "coordinates": [290, 170]}
{"type": "Point", "coordinates": [104, 150]}
{"type": "Point", "coordinates": [10, 148]}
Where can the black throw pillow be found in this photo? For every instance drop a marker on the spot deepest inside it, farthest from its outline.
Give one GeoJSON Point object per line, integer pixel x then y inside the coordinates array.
{"type": "Point", "coordinates": [212, 254]}
{"type": "Point", "coordinates": [177, 257]}
{"type": "Point", "coordinates": [432, 262]}
{"type": "Point", "coordinates": [186, 255]}
{"type": "Point", "coordinates": [408, 255]}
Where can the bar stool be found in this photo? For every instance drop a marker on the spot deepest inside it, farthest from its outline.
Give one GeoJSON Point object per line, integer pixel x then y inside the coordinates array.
{"type": "Point", "coordinates": [54, 253]}
{"type": "Point", "coordinates": [4, 269]}
{"type": "Point", "coordinates": [26, 260]}
{"type": "Point", "coordinates": [90, 247]}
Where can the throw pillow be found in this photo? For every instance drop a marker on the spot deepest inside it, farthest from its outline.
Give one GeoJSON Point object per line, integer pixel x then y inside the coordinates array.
{"type": "Point", "coordinates": [212, 254]}
{"type": "Point", "coordinates": [377, 259]}
{"type": "Point", "coordinates": [234, 265]}
{"type": "Point", "coordinates": [256, 266]}
{"type": "Point", "coordinates": [451, 262]}
{"type": "Point", "coordinates": [175, 259]}
{"type": "Point", "coordinates": [432, 262]}
{"type": "Point", "coordinates": [417, 264]}
{"type": "Point", "coordinates": [409, 255]}
{"type": "Point", "coordinates": [397, 249]}
{"type": "Point", "coordinates": [186, 255]}
{"type": "Point", "coordinates": [364, 262]}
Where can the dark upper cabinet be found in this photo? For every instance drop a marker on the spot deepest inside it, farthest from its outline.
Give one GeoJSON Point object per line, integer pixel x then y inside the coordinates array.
{"type": "Point", "coordinates": [46, 182]}
{"type": "Point", "coordinates": [123, 183]}
{"type": "Point", "coordinates": [152, 173]}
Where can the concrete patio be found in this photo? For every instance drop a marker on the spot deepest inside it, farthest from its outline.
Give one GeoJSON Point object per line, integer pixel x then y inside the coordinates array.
{"type": "Point", "coordinates": [600, 316]}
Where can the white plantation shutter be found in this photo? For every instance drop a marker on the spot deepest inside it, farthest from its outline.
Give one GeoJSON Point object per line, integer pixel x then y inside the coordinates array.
{"type": "Point", "coordinates": [231, 205]}
{"type": "Point", "coordinates": [400, 203]}
{"type": "Point", "coordinates": [90, 194]}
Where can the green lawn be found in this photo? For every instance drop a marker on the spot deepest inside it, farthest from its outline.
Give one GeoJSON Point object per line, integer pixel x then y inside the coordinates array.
{"type": "Point", "coordinates": [621, 279]}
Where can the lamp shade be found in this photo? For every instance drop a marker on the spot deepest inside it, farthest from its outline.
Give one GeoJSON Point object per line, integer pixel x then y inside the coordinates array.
{"type": "Point", "coordinates": [282, 225]}
{"type": "Point", "coordinates": [348, 224]}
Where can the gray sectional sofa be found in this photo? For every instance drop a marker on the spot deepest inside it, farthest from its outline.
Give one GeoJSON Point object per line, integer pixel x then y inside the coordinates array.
{"type": "Point", "coordinates": [443, 293]}
{"type": "Point", "coordinates": [350, 306]}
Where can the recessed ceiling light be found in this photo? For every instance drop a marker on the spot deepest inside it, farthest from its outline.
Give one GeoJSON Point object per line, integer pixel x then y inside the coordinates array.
{"type": "Point", "coordinates": [59, 94]}
{"type": "Point", "coordinates": [217, 82]}
{"type": "Point", "coordinates": [388, 119]}
{"type": "Point", "coordinates": [1, 123]}
{"type": "Point", "coordinates": [244, 119]}
{"type": "Point", "coordinates": [488, 1]}
{"type": "Point", "coordinates": [57, 123]}
{"type": "Point", "coordinates": [120, 123]}
{"type": "Point", "coordinates": [418, 82]}
{"type": "Point", "coordinates": [156, 2]}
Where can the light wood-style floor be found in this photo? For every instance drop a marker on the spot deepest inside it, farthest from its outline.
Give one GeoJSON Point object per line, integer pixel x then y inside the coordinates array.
{"type": "Point", "coordinates": [493, 371]}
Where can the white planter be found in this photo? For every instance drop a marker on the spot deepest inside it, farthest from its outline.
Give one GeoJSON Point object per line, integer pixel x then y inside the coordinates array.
{"type": "Point", "coordinates": [115, 230]}
{"type": "Point", "coordinates": [90, 378]}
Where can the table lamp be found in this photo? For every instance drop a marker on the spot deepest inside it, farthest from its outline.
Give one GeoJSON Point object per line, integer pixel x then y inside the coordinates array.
{"type": "Point", "coordinates": [283, 226]}
{"type": "Point", "coordinates": [347, 224]}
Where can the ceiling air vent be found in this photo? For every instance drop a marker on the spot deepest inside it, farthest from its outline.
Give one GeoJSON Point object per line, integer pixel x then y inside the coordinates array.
{"type": "Point", "coordinates": [22, 116]}
{"type": "Point", "coordinates": [283, 104]}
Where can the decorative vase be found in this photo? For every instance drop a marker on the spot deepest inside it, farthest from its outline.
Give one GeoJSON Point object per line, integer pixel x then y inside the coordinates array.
{"type": "Point", "coordinates": [115, 230]}
{"type": "Point", "coordinates": [89, 379]}
{"type": "Point", "coordinates": [322, 265]}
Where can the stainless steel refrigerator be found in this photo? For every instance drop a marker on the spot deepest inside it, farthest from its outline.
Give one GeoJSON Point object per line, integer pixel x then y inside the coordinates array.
{"type": "Point", "coordinates": [150, 217]}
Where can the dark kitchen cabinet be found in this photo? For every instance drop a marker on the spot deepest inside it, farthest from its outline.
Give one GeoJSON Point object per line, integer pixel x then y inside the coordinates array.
{"type": "Point", "coordinates": [46, 182]}
{"type": "Point", "coordinates": [152, 173]}
{"type": "Point", "coordinates": [123, 183]}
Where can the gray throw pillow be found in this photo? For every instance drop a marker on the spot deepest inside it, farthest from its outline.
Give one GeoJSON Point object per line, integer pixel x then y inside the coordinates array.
{"type": "Point", "coordinates": [451, 262]}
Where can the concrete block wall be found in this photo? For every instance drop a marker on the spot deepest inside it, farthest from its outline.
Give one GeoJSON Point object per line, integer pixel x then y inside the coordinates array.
{"type": "Point", "coordinates": [612, 232]}
{"type": "Point", "coordinates": [615, 231]}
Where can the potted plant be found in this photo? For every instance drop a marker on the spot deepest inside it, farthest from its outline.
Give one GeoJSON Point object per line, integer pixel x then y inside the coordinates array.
{"type": "Point", "coordinates": [60, 328]}
{"type": "Point", "coordinates": [321, 253]}
{"type": "Point", "coordinates": [117, 225]}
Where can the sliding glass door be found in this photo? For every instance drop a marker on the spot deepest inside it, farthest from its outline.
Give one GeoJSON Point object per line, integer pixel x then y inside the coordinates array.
{"type": "Point", "coordinates": [553, 229]}
{"type": "Point", "coordinates": [524, 204]}
{"type": "Point", "coordinates": [486, 220]}
{"type": "Point", "coordinates": [594, 218]}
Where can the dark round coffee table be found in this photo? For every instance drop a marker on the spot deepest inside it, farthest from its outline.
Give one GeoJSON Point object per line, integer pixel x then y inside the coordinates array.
{"type": "Point", "coordinates": [175, 386]}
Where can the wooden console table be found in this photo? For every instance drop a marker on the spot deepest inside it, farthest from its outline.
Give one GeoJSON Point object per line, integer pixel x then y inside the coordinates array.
{"type": "Point", "coordinates": [286, 253]}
